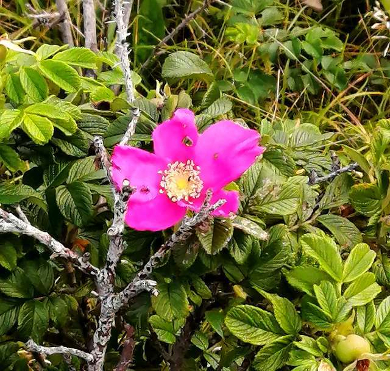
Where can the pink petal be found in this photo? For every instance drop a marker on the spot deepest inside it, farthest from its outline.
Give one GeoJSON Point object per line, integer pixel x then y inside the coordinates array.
{"type": "Point", "coordinates": [154, 215]}
{"type": "Point", "coordinates": [224, 151]}
{"type": "Point", "coordinates": [140, 168]}
{"type": "Point", "coordinates": [175, 139]}
{"type": "Point", "coordinates": [231, 205]}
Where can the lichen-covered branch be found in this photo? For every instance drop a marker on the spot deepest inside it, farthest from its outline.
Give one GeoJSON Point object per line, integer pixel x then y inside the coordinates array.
{"type": "Point", "coordinates": [9, 223]}
{"type": "Point", "coordinates": [34, 347]}
{"type": "Point", "coordinates": [122, 14]}
{"type": "Point", "coordinates": [314, 179]}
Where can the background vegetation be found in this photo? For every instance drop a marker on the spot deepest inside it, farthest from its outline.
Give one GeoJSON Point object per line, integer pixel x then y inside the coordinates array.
{"type": "Point", "coordinates": [306, 259]}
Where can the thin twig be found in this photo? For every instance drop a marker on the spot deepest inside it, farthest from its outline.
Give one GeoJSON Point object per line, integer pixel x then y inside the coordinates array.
{"type": "Point", "coordinates": [183, 23]}
{"type": "Point", "coordinates": [34, 347]}
{"type": "Point", "coordinates": [65, 25]}
{"type": "Point", "coordinates": [9, 223]}
{"type": "Point", "coordinates": [314, 179]}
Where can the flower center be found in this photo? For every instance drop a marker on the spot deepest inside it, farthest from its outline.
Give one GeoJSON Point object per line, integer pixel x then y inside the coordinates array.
{"type": "Point", "coordinates": [181, 181]}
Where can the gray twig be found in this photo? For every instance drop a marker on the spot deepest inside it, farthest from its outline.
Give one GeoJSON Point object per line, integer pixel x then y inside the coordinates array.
{"type": "Point", "coordinates": [65, 25]}
{"type": "Point", "coordinates": [89, 16]}
{"type": "Point", "coordinates": [9, 223]}
{"type": "Point", "coordinates": [183, 23]}
{"type": "Point", "coordinates": [34, 347]}
{"type": "Point", "coordinates": [314, 179]}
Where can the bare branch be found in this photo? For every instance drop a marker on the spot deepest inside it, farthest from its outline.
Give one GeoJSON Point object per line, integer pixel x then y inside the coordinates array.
{"type": "Point", "coordinates": [90, 25]}
{"type": "Point", "coordinates": [65, 25]}
{"type": "Point", "coordinates": [9, 223]}
{"type": "Point", "coordinates": [183, 23]}
{"type": "Point", "coordinates": [34, 347]}
{"type": "Point", "coordinates": [21, 214]}
{"type": "Point", "coordinates": [314, 179]}
{"type": "Point", "coordinates": [127, 350]}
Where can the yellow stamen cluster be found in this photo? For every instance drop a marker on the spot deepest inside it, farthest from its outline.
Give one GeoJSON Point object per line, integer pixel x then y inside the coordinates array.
{"type": "Point", "coordinates": [181, 181]}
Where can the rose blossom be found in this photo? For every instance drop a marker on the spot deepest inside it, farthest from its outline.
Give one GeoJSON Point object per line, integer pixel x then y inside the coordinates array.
{"type": "Point", "coordinates": [184, 165]}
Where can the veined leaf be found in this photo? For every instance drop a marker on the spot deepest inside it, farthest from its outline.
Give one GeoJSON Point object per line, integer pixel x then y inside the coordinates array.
{"type": "Point", "coordinates": [8, 315]}
{"type": "Point", "coordinates": [13, 193]}
{"type": "Point", "coordinates": [250, 227]}
{"type": "Point", "coordinates": [217, 236]}
{"type": "Point", "coordinates": [14, 88]}
{"type": "Point", "coordinates": [17, 285]}
{"type": "Point", "coordinates": [10, 120]}
{"type": "Point", "coordinates": [166, 330]}
{"type": "Point", "coordinates": [33, 84]}
{"type": "Point", "coordinates": [8, 255]}
{"type": "Point", "coordinates": [10, 158]}
{"type": "Point", "coordinates": [39, 129]}
{"type": "Point", "coordinates": [61, 74]}
{"type": "Point", "coordinates": [33, 320]}
{"type": "Point", "coordinates": [84, 170]}
{"type": "Point", "coordinates": [81, 57]}
{"type": "Point", "coordinates": [366, 317]}
{"type": "Point", "coordinates": [366, 198]}
{"type": "Point", "coordinates": [382, 319]}
{"type": "Point", "coordinates": [359, 261]}
{"type": "Point", "coordinates": [362, 290]}
{"type": "Point", "coordinates": [252, 325]}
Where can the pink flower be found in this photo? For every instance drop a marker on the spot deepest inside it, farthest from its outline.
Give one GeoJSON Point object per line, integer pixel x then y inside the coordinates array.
{"type": "Point", "coordinates": [182, 168]}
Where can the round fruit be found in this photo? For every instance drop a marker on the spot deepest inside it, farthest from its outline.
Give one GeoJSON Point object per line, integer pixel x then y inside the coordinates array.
{"type": "Point", "coordinates": [351, 348]}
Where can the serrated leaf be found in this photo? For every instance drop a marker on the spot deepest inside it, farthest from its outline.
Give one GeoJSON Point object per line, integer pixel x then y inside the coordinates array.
{"type": "Point", "coordinates": [46, 50]}
{"type": "Point", "coordinates": [326, 296]}
{"type": "Point", "coordinates": [216, 318]}
{"type": "Point", "coordinates": [58, 310]}
{"type": "Point", "coordinates": [75, 202]}
{"type": "Point", "coordinates": [250, 227]}
{"type": "Point", "coordinates": [171, 302]}
{"type": "Point", "coordinates": [314, 314]}
{"type": "Point", "coordinates": [84, 170]}
{"type": "Point", "coordinates": [8, 255]}
{"type": "Point", "coordinates": [39, 129]}
{"type": "Point", "coordinates": [41, 275]}
{"type": "Point", "coordinates": [8, 315]}
{"type": "Point", "coordinates": [219, 107]}
{"type": "Point", "coordinates": [81, 57]}
{"type": "Point", "coordinates": [184, 64]}
{"type": "Point", "coordinates": [56, 174]}
{"type": "Point", "coordinates": [10, 158]}
{"type": "Point", "coordinates": [17, 285]}
{"type": "Point", "coordinates": [33, 84]}
{"type": "Point", "coordinates": [366, 198]}
{"type": "Point", "coordinates": [362, 290]}
{"type": "Point", "coordinates": [200, 340]}
{"type": "Point", "coordinates": [285, 313]}
{"type": "Point", "coordinates": [274, 355]}
{"type": "Point", "coordinates": [325, 251]}
{"type": "Point", "coordinates": [14, 88]}
{"type": "Point", "coordinates": [366, 317]}
{"type": "Point", "coordinates": [252, 325]}
{"type": "Point", "coordinates": [93, 124]}
{"type": "Point", "coordinates": [14, 193]}
{"type": "Point", "coordinates": [61, 74]}
{"type": "Point", "coordinates": [345, 232]}
{"type": "Point", "coordinates": [280, 161]}
{"type": "Point", "coordinates": [166, 330]}
{"type": "Point", "coordinates": [77, 145]}
{"type": "Point", "coordinates": [102, 94]}
{"type": "Point", "coordinates": [305, 277]}
{"type": "Point", "coordinates": [240, 246]}
{"type": "Point", "coordinates": [216, 236]}
{"type": "Point", "coordinates": [359, 261]}
{"type": "Point", "coordinates": [10, 120]}
{"type": "Point", "coordinates": [33, 320]}
{"type": "Point", "coordinates": [382, 319]}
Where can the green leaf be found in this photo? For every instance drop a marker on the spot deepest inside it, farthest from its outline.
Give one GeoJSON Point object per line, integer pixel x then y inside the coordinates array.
{"type": "Point", "coordinates": [171, 302]}
{"type": "Point", "coordinates": [200, 340]}
{"type": "Point", "coordinates": [219, 107]}
{"type": "Point", "coordinates": [33, 320]}
{"type": "Point", "coordinates": [81, 57]}
{"type": "Point", "coordinates": [200, 287]}
{"type": "Point", "coordinates": [58, 310]}
{"type": "Point", "coordinates": [305, 277]}
{"type": "Point", "coordinates": [39, 129]}
{"type": "Point", "coordinates": [8, 255]}
{"type": "Point", "coordinates": [382, 319]}
{"type": "Point", "coordinates": [285, 313]}
{"type": "Point", "coordinates": [250, 227]}
{"type": "Point", "coordinates": [10, 120]}
{"type": "Point", "coordinates": [326, 296]}
{"type": "Point", "coordinates": [216, 236]}
{"type": "Point", "coordinates": [14, 88]}
{"type": "Point", "coordinates": [17, 285]}
{"type": "Point", "coordinates": [75, 202]}
{"type": "Point", "coordinates": [166, 330]}
{"type": "Point", "coordinates": [40, 273]}
{"type": "Point", "coordinates": [33, 84]}
{"type": "Point", "coordinates": [359, 261]}
{"type": "Point", "coordinates": [325, 251]}
{"type": "Point", "coordinates": [84, 170]}
{"type": "Point", "coordinates": [61, 74]}
{"type": "Point", "coordinates": [366, 317]}
{"type": "Point", "coordinates": [250, 7]}
{"type": "Point", "coordinates": [240, 246]}
{"type": "Point", "coordinates": [60, 119]}
{"type": "Point", "coordinates": [14, 193]}
{"type": "Point", "coordinates": [8, 315]}
{"type": "Point", "coordinates": [366, 198]}
{"type": "Point", "coordinates": [280, 161]}
{"type": "Point", "coordinates": [77, 145]}
{"type": "Point", "coordinates": [9, 355]}
{"type": "Point", "coordinates": [252, 325]}
{"type": "Point", "coordinates": [362, 290]}
{"type": "Point", "coordinates": [273, 356]}
{"type": "Point", "coordinates": [345, 232]}
{"type": "Point", "coordinates": [56, 174]}
{"type": "Point", "coordinates": [102, 94]}
{"type": "Point", "coordinates": [314, 314]}
{"type": "Point", "coordinates": [184, 64]}
{"type": "Point", "coordinates": [46, 51]}
{"type": "Point", "coordinates": [10, 158]}
{"type": "Point", "coordinates": [216, 318]}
